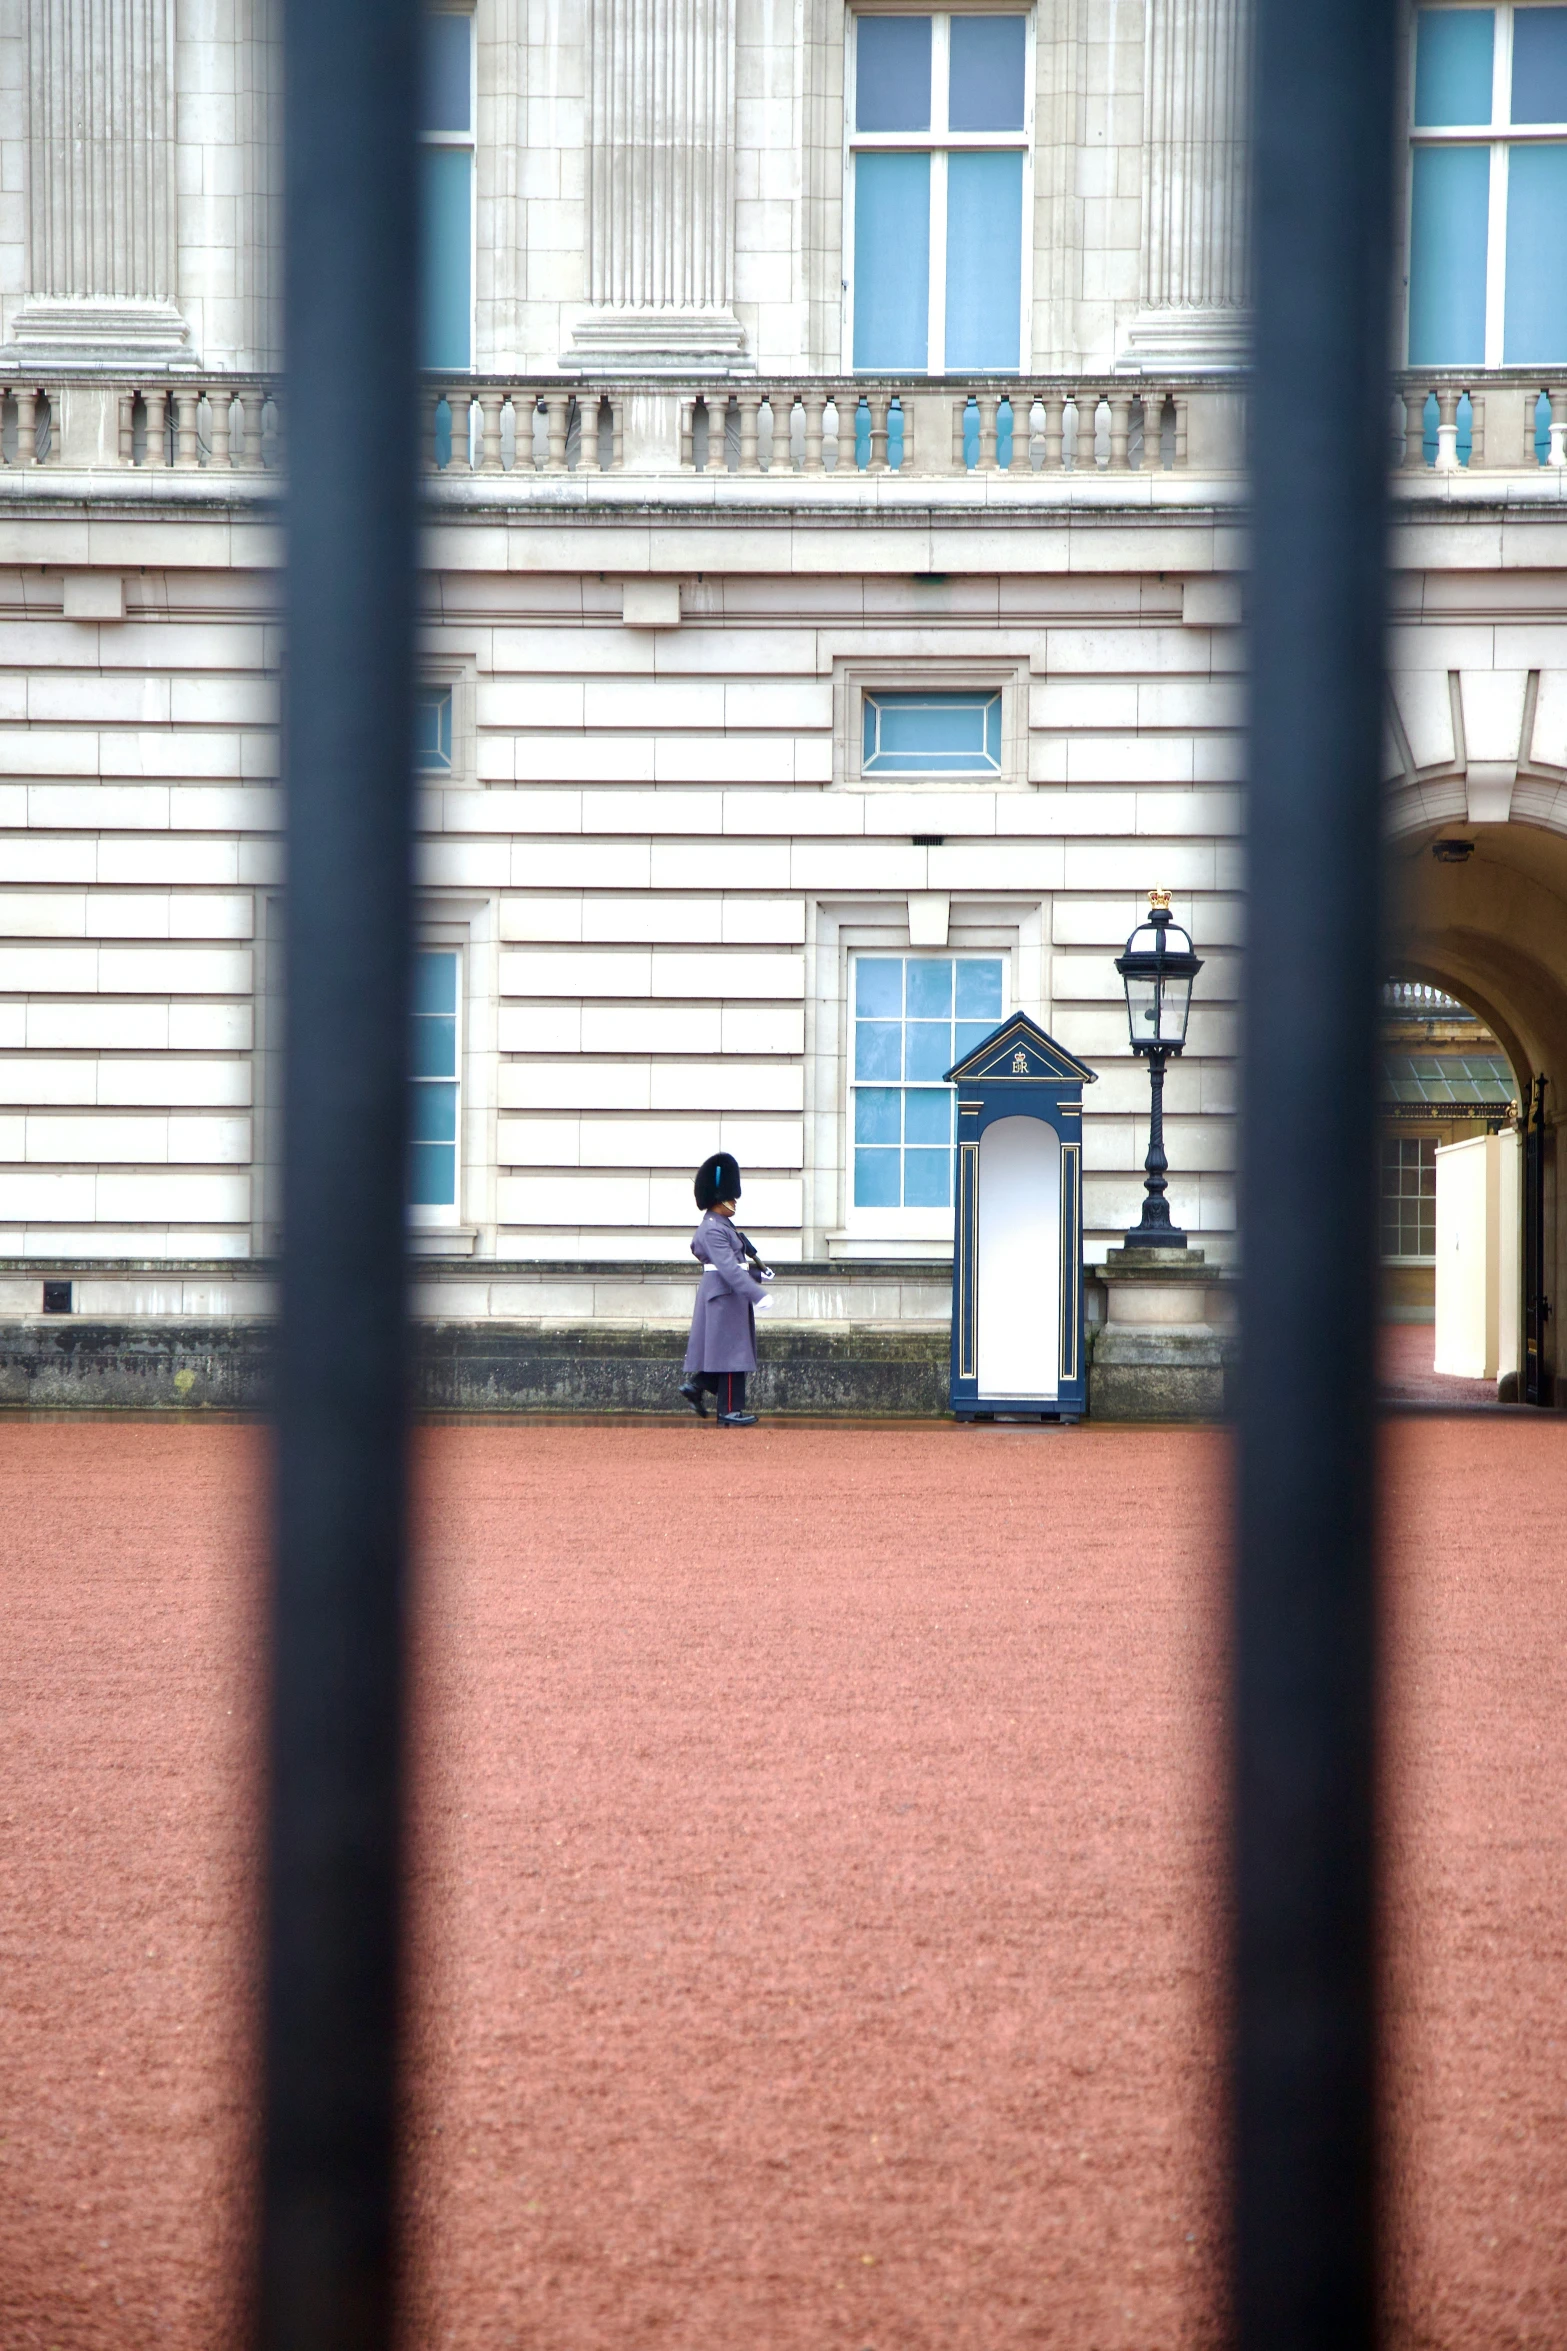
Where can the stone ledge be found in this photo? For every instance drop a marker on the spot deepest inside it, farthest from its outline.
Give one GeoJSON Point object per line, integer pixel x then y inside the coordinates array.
{"type": "Point", "coordinates": [75, 1364]}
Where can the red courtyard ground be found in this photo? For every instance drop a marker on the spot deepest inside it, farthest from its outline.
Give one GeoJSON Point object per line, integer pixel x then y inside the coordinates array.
{"type": "Point", "coordinates": [819, 1838]}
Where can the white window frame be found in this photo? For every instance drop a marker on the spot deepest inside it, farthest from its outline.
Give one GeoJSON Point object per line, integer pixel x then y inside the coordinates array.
{"type": "Point", "coordinates": [1015, 928]}
{"type": "Point", "coordinates": [1500, 135]}
{"type": "Point", "coordinates": [854, 678]}
{"type": "Point", "coordinates": [469, 140]}
{"type": "Point", "coordinates": [938, 145]}
{"type": "Point", "coordinates": [1395, 1136]}
{"type": "Point", "coordinates": [432, 1216]}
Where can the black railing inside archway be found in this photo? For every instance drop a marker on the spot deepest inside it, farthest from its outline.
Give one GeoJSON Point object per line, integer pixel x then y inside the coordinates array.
{"type": "Point", "coordinates": [1305, 2011]}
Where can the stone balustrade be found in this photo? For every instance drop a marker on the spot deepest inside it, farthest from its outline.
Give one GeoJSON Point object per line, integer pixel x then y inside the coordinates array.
{"type": "Point", "coordinates": [817, 427]}
{"type": "Point", "coordinates": [1497, 420]}
{"type": "Point", "coordinates": [179, 420]}
{"type": "Point", "coordinates": [812, 429]}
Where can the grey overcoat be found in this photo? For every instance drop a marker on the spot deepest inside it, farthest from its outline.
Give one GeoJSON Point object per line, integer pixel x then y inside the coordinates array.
{"type": "Point", "coordinates": [723, 1326]}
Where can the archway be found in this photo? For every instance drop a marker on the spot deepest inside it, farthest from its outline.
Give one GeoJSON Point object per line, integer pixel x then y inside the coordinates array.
{"type": "Point", "coordinates": [1485, 921]}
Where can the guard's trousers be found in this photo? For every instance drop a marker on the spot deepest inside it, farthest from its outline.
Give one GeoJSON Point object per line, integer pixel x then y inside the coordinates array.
{"type": "Point", "coordinates": [728, 1387]}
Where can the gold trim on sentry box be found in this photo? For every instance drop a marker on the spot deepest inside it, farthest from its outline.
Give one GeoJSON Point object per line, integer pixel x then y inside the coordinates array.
{"type": "Point", "coordinates": [968, 1182]}
{"type": "Point", "coordinates": [1071, 1260]}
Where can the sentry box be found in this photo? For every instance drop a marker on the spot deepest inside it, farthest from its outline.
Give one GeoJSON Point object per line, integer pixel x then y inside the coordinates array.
{"type": "Point", "coordinates": [1017, 1259]}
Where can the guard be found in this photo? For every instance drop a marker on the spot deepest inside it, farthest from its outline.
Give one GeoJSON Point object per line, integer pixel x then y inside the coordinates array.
{"type": "Point", "coordinates": [722, 1346]}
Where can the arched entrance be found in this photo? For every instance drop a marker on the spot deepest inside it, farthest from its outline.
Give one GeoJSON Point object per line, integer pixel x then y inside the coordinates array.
{"type": "Point", "coordinates": [1489, 927]}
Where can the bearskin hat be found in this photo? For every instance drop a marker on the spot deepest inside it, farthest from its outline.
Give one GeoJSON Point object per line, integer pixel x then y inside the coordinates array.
{"type": "Point", "coordinates": [717, 1179]}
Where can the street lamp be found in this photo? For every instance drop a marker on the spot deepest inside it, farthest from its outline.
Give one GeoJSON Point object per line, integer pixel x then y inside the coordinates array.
{"type": "Point", "coordinates": [1157, 971]}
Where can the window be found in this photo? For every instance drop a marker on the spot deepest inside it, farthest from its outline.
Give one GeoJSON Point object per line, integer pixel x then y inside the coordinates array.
{"type": "Point", "coordinates": [1409, 1196]}
{"type": "Point", "coordinates": [913, 1016]}
{"type": "Point", "coordinates": [432, 1152]}
{"type": "Point", "coordinates": [1488, 187]}
{"type": "Point", "coordinates": [446, 192]}
{"type": "Point", "coordinates": [938, 151]}
{"type": "Point", "coordinates": [932, 734]}
{"type": "Point", "coordinates": [1483, 1079]}
{"type": "Point", "coordinates": [433, 730]}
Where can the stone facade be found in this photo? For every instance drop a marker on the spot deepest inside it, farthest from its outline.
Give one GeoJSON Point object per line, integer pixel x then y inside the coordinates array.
{"type": "Point", "coordinates": [672, 544]}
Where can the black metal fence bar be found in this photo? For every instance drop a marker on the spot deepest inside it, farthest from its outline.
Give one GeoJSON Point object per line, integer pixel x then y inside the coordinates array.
{"type": "Point", "coordinates": [1306, 2009]}
{"type": "Point", "coordinates": [337, 1661]}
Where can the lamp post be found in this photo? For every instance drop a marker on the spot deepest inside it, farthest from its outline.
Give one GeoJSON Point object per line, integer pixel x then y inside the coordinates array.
{"type": "Point", "coordinates": [1157, 971]}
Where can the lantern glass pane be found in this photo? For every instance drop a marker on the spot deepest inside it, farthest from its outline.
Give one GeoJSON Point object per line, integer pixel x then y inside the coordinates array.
{"type": "Point", "coordinates": [1142, 1010]}
{"type": "Point", "coordinates": [1173, 1009]}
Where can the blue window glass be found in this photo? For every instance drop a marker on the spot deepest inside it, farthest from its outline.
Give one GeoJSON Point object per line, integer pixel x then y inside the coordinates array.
{"type": "Point", "coordinates": [892, 73]}
{"type": "Point", "coordinates": [985, 74]}
{"type": "Point", "coordinates": [927, 1115]}
{"type": "Point", "coordinates": [932, 734]}
{"type": "Point", "coordinates": [914, 1015]}
{"type": "Point", "coordinates": [446, 82]}
{"type": "Point", "coordinates": [878, 987]}
{"type": "Point", "coordinates": [891, 259]}
{"type": "Point", "coordinates": [1535, 305]}
{"type": "Point", "coordinates": [446, 260]}
{"type": "Point", "coordinates": [928, 990]}
{"type": "Point", "coordinates": [432, 1150]}
{"type": "Point", "coordinates": [984, 259]}
{"type": "Point", "coordinates": [878, 1179]}
{"type": "Point", "coordinates": [877, 1114]}
{"type": "Point", "coordinates": [1453, 49]}
{"type": "Point", "coordinates": [1447, 249]}
{"type": "Point", "coordinates": [1539, 65]}
{"type": "Point", "coordinates": [433, 730]}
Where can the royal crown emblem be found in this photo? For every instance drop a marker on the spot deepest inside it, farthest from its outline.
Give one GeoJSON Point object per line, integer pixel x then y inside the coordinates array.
{"type": "Point", "coordinates": [1020, 1064]}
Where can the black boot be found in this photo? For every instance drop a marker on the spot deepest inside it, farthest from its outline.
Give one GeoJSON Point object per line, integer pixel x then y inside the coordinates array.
{"type": "Point", "coordinates": [730, 1399]}
{"type": "Point", "coordinates": [695, 1397]}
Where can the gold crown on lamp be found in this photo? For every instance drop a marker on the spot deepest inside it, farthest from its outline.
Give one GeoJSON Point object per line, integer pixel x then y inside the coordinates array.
{"type": "Point", "coordinates": [1159, 898]}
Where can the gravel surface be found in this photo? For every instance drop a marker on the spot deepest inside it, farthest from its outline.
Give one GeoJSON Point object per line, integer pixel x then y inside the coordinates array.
{"type": "Point", "coordinates": [818, 1842]}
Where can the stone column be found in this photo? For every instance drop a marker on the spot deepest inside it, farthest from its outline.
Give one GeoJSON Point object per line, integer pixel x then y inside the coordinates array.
{"type": "Point", "coordinates": [101, 192]}
{"type": "Point", "coordinates": [661, 169]}
{"type": "Point", "coordinates": [1193, 290]}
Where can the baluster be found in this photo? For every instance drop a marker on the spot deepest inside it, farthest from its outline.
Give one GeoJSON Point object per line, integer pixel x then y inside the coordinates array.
{"type": "Point", "coordinates": [527, 429]}
{"type": "Point", "coordinates": [617, 432]}
{"type": "Point", "coordinates": [1557, 453]}
{"type": "Point", "coordinates": [127, 428]}
{"type": "Point", "coordinates": [832, 433]}
{"type": "Point", "coordinates": [429, 428]}
{"type": "Point", "coordinates": [557, 408]}
{"type": "Point", "coordinates": [1446, 430]}
{"type": "Point", "coordinates": [1476, 429]}
{"type": "Point", "coordinates": [1120, 431]}
{"type": "Point", "coordinates": [593, 433]}
{"type": "Point", "coordinates": [815, 411]}
{"type": "Point", "coordinates": [1054, 406]}
{"type": "Point", "coordinates": [186, 402]}
{"type": "Point", "coordinates": [750, 403]}
{"type": "Point", "coordinates": [1414, 429]}
{"type": "Point", "coordinates": [1182, 411]}
{"type": "Point", "coordinates": [460, 404]}
{"type": "Point", "coordinates": [988, 404]}
{"type": "Point", "coordinates": [876, 405]}
{"type": "Point", "coordinates": [252, 407]}
{"type": "Point", "coordinates": [157, 400]}
{"type": "Point", "coordinates": [490, 406]}
{"type": "Point", "coordinates": [219, 400]}
{"type": "Point", "coordinates": [688, 461]}
{"type": "Point", "coordinates": [1153, 432]}
{"type": "Point", "coordinates": [26, 427]}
